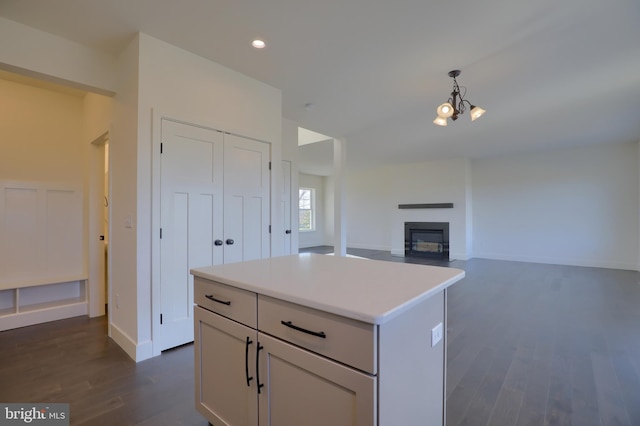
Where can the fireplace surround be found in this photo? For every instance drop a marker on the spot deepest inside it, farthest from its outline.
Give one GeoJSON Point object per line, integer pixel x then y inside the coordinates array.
{"type": "Point", "coordinates": [427, 240]}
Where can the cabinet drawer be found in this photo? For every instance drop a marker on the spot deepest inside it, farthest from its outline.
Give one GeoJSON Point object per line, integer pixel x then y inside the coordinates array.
{"type": "Point", "coordinates": [234, 303]}
{"type": "Point", "coordinates": [345, 340]}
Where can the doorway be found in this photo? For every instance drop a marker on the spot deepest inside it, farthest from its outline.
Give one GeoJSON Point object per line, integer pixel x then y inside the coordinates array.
{"type": "Point", "coordinates": [99, 213]}
{"type": "Point", "coordinates": [315, 178]}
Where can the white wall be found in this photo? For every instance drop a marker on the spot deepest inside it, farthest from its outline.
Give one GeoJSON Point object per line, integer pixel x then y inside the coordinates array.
{"type": "Point", "coordinates": [42, 150]}
{"type": "Point", "coordinates": [575, 207]}
{"type": "Point", "coordinates": [123, 156]}
{"type": "Point", "coordinates": [432, 182]}
{"type": "Point", "coordinates": [162, 79]}
{"type": "Point", "coordinates": [369, 207]}
{"type": "Point", "coordinates": [316, 237]}
{"type": "Point", "coordinates": [148, 75]}
{"type": "Point", "coordinates": [42, 55]}
{"type": "Point", "coordinates": [328, 228]}
{"type": "Point", "coordinates": [373, 195]}
{"type": "Point", "coordinates": [54, 59]}
{"type": "Point", "coordinates": [290, 153]}
{"type": "Point", "coordinates": [41, 132]}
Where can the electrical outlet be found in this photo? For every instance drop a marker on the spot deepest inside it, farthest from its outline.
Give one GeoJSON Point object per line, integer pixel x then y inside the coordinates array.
{"type": "Point", "coordinates": [436, 334]}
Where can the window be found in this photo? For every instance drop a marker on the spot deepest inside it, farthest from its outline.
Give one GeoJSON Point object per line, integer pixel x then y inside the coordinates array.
{"type": "Point", "coordinates": [306, 205]}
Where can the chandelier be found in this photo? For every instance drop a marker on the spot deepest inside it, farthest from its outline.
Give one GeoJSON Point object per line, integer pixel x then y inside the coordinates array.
{"type": "Point", "coordinates": [456, 104]}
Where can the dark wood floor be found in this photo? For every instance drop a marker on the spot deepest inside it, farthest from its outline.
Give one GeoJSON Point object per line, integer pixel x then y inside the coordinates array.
{"type": "Point", "coordinates": [529, 344]}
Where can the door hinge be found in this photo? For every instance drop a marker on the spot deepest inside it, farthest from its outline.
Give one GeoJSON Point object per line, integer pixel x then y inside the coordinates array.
{"type": "Point", "coordinates": [269, 228]}
{"type": "Point", "coordinates": [160, 233]}
{"type": "Point", "coordinates": [160, 147]}
{"type": "Point", "coordinates": [269, 165]}
{"type": "Point", "coordinates": [160, 319]}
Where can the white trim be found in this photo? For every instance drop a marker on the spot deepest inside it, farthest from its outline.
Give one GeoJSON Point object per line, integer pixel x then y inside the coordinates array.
{"type": "Point", "coordinates": [137, 352]}
{"type": "Point", "coordinates": [369, 247]}
{"type": "Point", "coordinates": [124, 341]}
{"type": "Point", "coordinates": [156, 302]}
{"type": "Point", "coordinates": [43, 281]}
{"type": "Point", "coordinates": [144, 351]}
{"type": "Point", "coordinates": [458, 256]}
{"type": "Point", "coordinates": [54, 313]}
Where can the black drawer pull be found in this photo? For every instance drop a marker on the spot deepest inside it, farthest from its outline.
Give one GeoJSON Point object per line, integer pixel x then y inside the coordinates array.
{"type": "Point", "coordinates": [246, 361]}
{"type": "Point", "coordinates": [224, 302]}
{"type": "Point", "coordinates": [260, 385]}
{"type": "Point", "coordinates": [304, 330]}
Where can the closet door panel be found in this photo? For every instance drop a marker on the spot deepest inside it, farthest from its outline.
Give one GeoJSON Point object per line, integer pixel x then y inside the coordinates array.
{"type": "Point", "coordinates": [246, 201]}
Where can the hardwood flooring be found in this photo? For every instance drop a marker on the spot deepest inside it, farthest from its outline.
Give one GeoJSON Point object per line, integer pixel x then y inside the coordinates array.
{"type": "Point", "coordinates": [73, 361]}
{"type": "Point", "coordinates": [528, 344]}
{"type": "Point", "coordinates": [535, 344]}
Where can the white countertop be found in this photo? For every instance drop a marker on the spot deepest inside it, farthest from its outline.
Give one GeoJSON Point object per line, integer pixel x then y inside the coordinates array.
{"type": "Point", "coordinates": [367, 290]}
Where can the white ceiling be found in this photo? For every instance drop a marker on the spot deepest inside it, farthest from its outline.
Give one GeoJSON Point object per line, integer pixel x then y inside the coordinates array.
{"type": "Point", "coordinates": [549, 73]}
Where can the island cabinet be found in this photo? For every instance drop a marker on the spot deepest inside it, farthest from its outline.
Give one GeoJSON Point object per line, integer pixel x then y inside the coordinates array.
{"type": "Point", "coordinates": [263, 357]}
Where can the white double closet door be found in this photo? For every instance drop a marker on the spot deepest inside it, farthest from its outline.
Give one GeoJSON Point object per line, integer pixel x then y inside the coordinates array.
{"type": "Point", "coordinates": [215, 190]}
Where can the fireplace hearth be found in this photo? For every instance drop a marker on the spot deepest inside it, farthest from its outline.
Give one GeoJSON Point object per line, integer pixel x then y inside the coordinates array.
{"type": "Point", "coordinates": [426, 239]}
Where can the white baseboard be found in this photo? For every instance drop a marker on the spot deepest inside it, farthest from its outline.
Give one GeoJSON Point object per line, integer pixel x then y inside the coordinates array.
{"type": "Point", "coordinates": [144, 350]}
{"type": "Point", "coordinates": [368, 247]}
{"type": "Point", "coordinates": [459, 256]}
{"type": "Point", "coordinates": [53, 313]}
{"type": "Point", "coordinates": [124, 341]}
{"type": "Point", "coordinates": [137, 351]}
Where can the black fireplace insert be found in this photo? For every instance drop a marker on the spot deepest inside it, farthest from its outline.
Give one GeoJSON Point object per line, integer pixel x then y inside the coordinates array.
{"type": "Point", "coordinates": [426, 239]}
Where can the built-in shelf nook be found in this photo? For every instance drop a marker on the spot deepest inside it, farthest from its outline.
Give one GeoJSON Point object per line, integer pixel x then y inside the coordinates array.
{"type": "Point", "coordinates": [42, 261]}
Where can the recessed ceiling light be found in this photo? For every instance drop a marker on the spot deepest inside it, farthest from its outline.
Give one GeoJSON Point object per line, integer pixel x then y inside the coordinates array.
{"type": "Point", "coordinates": [258, 44]}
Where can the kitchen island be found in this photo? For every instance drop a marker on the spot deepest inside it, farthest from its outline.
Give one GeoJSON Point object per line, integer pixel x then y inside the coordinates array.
{"type": "Point", "coordinates": [321, 340]}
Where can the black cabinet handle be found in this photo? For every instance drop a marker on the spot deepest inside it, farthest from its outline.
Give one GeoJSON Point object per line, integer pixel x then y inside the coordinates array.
{"type": "Point", "coordinates": [224, 302]}
{"type": "Point", "coordinates": [288, 231]}
{"type": "Point", "coordinates": [246, 361]}
{"type": "Point", "coordinates": [304, 330]}
{"type": "Point", "coordinates": [260, 385]}
{"type": "Point", "coordinates": [229, 241]}
{"type": "Point", "coordinates": [218, 242]}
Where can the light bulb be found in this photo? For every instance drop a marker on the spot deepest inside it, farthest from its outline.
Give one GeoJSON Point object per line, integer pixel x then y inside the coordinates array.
{"type": "Point", "coordinates": [445, 110]}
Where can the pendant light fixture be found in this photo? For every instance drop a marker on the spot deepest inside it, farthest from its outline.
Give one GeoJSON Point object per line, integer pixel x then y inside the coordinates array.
{"type": "Point", "coordinates": [456, 104]}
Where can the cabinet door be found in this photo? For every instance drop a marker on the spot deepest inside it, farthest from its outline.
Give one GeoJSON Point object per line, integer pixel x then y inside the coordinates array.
{"type": "Point", "coordinates": [225, 384]}
{"type": "Point", "coordinates": [302, 388]}
{"type": "Point", "coordinates": [246, 199]}
{"type": "Point", "coordinates": [191, 219]}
